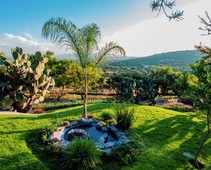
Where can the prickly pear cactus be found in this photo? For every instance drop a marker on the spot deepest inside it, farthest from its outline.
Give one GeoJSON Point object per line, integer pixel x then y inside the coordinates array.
{"type": "Point", "coordinates": [25, 82]}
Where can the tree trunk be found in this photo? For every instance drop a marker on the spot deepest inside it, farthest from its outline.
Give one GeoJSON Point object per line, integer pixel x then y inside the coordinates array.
{"type": "Point", "coordinates": [60, 94]}
{"type": "Point", "coordinates": [84, 114]}
{"type": "Point", "coordinates": [203, 141]}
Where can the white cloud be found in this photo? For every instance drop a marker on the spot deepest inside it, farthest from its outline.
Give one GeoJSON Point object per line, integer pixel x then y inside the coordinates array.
{"type": "Point", "coordinates": [28, 35]}
{"type": "Point", "coordinates": [159, 35]}
{"type": "Point", "coordinates": [28, 43]}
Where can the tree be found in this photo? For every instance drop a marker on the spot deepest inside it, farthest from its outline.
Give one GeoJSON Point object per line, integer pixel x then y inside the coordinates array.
{"type": "Point", "coordinates": [84, 43]}
{"type": "Point", "coordinates": [183, 82]}
{"type": "Point", "coordinates": [127, 85]}
{"type": "Point", "coordinates": [25, 81]}
{"type": "Point", "coordinates": [75, 77]}
{"type": "Point", "coordinates": [58, 70]}
{"type": "Point", "coordinates": [201, 90]}
{"type": "Point", "coordinates": [149, 88]}
{"type": "Point", "coordinates": [164, 5]}
{"type": "Point", "coordinates": [165, 78]}
{"type": "Point", "coordinates": [135, 87]}
{"type": "Point", "coordinates": [207, 24]}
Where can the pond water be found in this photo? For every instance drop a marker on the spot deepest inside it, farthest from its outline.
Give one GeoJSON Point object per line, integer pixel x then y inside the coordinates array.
{"type": "Point", "coordinates": [105, 137]}
{"type": "Point", "coordinates": [98, 135]}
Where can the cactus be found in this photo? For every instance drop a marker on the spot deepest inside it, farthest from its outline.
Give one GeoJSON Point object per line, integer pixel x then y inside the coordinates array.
{"type": "Point", "coordinates": [25, 82]}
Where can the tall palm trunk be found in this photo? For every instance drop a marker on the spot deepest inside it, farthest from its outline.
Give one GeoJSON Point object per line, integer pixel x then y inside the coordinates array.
{"type": "Point", "coordinates": [85, 93]}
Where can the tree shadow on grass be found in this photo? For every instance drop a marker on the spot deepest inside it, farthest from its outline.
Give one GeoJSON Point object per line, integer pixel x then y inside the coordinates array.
{"type": "Point", "coordinates": [22, 161]}
{"type": "Point", "coordinates": [66, 112]}
{"type": "Point", "coordinates": [171, 137]}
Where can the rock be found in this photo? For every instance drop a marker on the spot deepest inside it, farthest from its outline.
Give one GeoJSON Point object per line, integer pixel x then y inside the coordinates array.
{"type": "Point", "coordinates": [188, 155]}
{"type": "Point", "coordinates": [99, 125]}
{"type": "Point", "coordinates": [109, 144]}
{"type": "Point", "coordinates": [83, 121]}
{"type": "Point", "coordinates": [60, 129]}
{"type": "Point", "coordinates": [102, 139]}
{"type": "Point", "coordinates": [116, 143]}
{"type": "Point", "coordinates": [113, 128]}
{"type": "Point", "coordinates": [94, 122]}
{"type": "Point", "coordinates": [104, 129]}
{"type": "Point", "coordinates": [63, 144]}
{"type": "Point", "coordinates": [101, 145]}
{"type": "Point", "coordinates": [119, 134]}
{"type": "Point", "coordinates": [77, 133]}
{"type": "Point", "coordinates": [55, 137]}
{"type": "Point", "coordinates": [123, 139]}
{"type": "Point", "coordinates": [73, 124]}
{"type": "Point", "coordinates": [104, 135]}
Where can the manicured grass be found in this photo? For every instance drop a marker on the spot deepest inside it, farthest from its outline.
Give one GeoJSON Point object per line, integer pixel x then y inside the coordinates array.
{"type": "Point", "coordinates": [165, 133]}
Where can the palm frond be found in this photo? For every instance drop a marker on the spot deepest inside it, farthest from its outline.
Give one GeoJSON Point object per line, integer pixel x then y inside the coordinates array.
{"type": "Point", "coordinates": [91, 38]}
{"type": "Point", "coordinates": [64, 33]}
{"type": "Point", "coordinates": [111, 49]}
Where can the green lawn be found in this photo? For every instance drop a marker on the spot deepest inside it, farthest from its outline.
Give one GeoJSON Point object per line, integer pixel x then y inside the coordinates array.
{"type": "Point", "coordinates": [165, 133]}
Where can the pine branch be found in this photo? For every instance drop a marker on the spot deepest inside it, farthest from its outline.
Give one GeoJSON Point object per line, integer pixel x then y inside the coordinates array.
{"type": "Point", "coordinates": [164, 5]}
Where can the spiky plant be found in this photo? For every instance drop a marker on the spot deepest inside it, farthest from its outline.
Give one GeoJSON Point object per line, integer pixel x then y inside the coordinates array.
{"type": "Point", "coordinates": [25, 81]}
{"type": "Point", "coordinates": [81, 154]}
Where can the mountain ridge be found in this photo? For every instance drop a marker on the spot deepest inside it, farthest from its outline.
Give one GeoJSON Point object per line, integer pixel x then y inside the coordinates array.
{"type": "Point", "coordinates": [176, 59]}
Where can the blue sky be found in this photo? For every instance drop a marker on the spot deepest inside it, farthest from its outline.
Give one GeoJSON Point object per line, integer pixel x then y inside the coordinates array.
{"type": "Point", "coordinates": [128, 22]}
{"type": "Point", "coordinates": [20, 16]}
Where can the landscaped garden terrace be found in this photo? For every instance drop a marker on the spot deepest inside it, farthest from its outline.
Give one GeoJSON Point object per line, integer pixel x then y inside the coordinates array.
{"type": "Point", "coordinates": [165, 135]}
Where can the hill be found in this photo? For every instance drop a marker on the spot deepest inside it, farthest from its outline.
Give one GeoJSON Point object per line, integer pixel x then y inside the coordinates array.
{"type": "Point", "coordinates": [179, 59]}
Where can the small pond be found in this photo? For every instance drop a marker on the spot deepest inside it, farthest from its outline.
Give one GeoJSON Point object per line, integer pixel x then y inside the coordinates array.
{"type": "Point", "coordinates": [105, 137]}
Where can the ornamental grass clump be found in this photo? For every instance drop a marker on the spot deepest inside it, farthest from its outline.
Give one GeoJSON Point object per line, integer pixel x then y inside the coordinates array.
{"type": "Point", "coordinates": [81, 154]}
{"type": "Point", "coordinates": [124, 116]}
{"type": "Point", "coordinates": [127, 153]}
{"type": "Point", "coordinates": [106, 115]}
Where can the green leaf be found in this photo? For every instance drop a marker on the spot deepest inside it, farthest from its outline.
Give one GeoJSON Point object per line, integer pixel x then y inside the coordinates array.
{"type": "Point", "coordinates": [31, 89]}
{"type": "Point", "coordinates": [20, 97]}
{"type": "Point", "coordinates": [15, 54]}
{"type": "Point", "coordinates": [7, 102]}
{"type": "Point", "coordinates": [29, 63]}
{"type": "Point", "coordinates": [3, 56]}
{"type": "Point", "coordinates": [38, 54]}
{"type": "Point", "coordinates": [25, 56]}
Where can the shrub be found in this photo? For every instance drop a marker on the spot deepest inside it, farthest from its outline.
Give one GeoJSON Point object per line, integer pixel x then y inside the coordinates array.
{"type": "Point", "coordinates": [70, 118]}
{"type": "Point", "coordinates": [66, 122]}
{"type": "Point", "coordinates": [46, 132]}
{"type": "Point", "coordinates": [56, 94]}
{"type": "Point", "coordinates": [89, 116]}
{"type": "Point", "coordinates": [124, 116]}
{"type": "Point", "coordinates": [110, 121]}
{"type": "Point", "coordinates": [54, 149]}
{"type": "Point", "coordinates": [127, 153]}
{"type": "Point", "coordinates": [37, 111]}
{"type": "Point", "coordinates": [180, 109]}
{"type": "Point", "coordinates": [81, 154]}
{"type": "Point", "coordinates": [106, 115]}
{"type": "Point", "coordinates": [103, 123]}
{"type": "Point", "coordinates": [54, 105]}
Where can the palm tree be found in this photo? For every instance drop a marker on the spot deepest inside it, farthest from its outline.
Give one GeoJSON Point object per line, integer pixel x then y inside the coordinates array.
{"type": "Point", "coordinates": [83, 43]}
